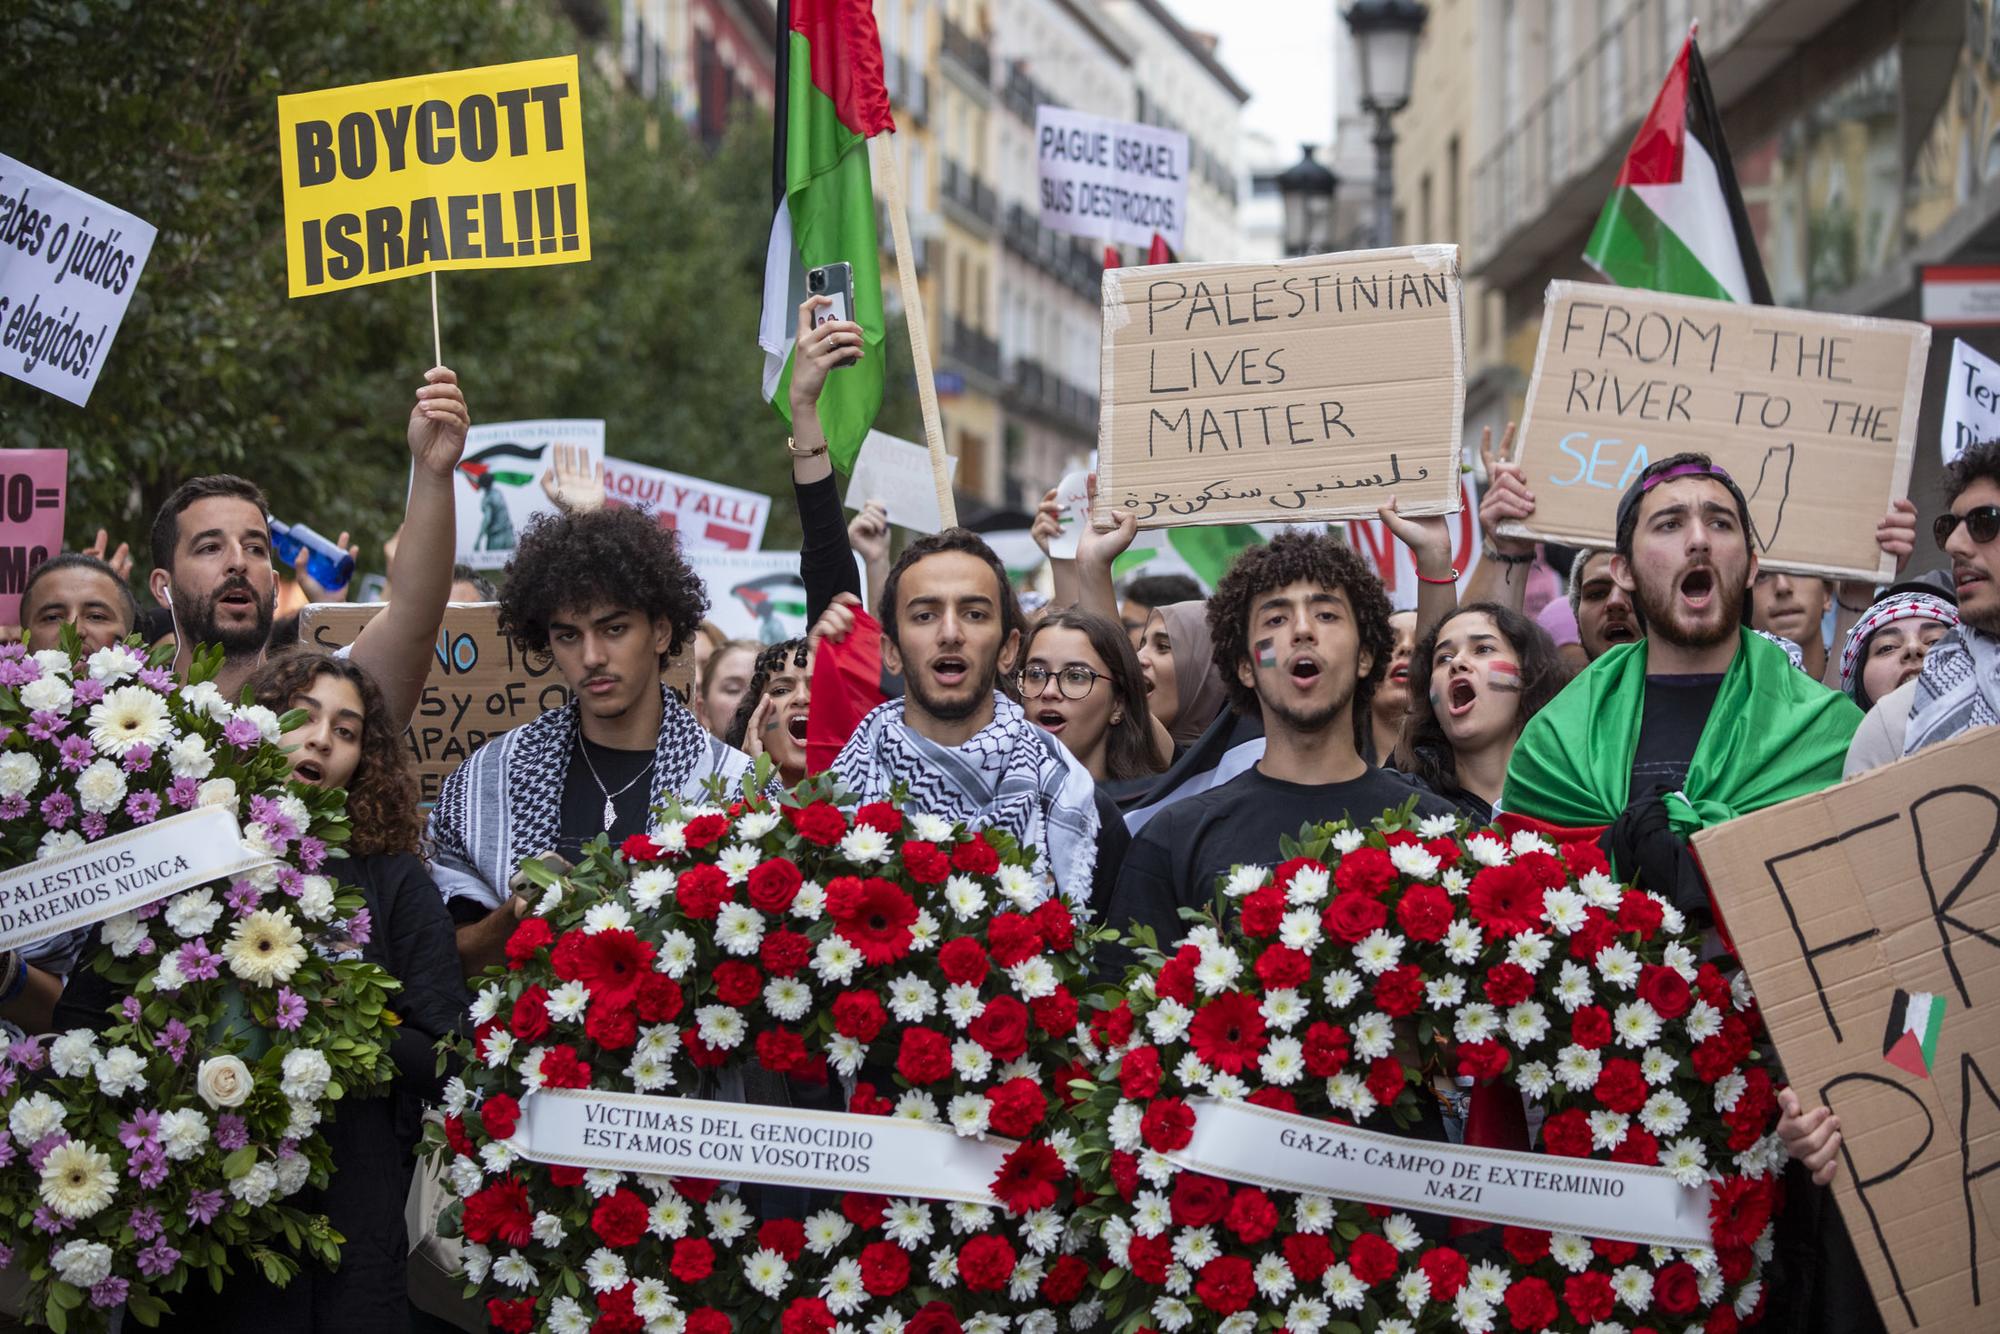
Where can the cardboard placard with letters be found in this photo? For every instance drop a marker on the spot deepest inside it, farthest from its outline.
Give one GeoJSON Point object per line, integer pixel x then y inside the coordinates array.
{"type": "Point", "coordinates": [1868, 916]}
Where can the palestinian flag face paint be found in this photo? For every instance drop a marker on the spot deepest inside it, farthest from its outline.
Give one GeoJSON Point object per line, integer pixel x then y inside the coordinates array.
{"type": "Point", "coordinates": [1503, 675]}
{"type": "Point", "coordinates": [1915, 1020]}
{"type": "Point", "coordinates": [1267, 653]}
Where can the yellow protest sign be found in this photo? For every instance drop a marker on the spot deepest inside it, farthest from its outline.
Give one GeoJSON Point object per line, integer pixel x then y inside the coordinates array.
{"type": "Point", "coordinates": [474, 169]}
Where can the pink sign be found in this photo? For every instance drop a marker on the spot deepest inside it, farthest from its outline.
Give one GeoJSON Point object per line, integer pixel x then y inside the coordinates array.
{"type": "Point", "coordinates": [34, 485]}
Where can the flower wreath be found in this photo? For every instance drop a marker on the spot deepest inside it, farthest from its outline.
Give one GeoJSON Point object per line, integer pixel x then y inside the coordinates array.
{"type": "Point", "coordinates": [135, 1158]}
{"type": "Point", "coordinates": [1346, 978]}
{"type": "Point", "coordinates": [911, 962]}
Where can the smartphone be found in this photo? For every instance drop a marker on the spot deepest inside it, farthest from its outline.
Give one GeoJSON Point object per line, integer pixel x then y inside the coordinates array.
{"type": "Point", "coordinates": [837, 282]}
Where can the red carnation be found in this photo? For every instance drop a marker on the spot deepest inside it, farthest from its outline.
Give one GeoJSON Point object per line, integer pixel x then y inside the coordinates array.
{"type": "Point", "coordinates": [1446, 1269]}
{"type": "Point", "coordinates": [1637, 1147]}
{"type": "Point", "coordinates": [1738, 1210]}
{"type": "Point", "coordinates": [786, 1236]}
{"type": "Point", "coordinates": [926, 865]}
{"type": "Point", "coordinates": [1525, 1244]}
{"type": "Point", "coordinates": [1590, 1027]}
{"type": "Point", "coordinates": [1567, 1133]}
{"type": "Point", "coordinates": [561, 1069]}
{"type": "Point", "coordinates": [515, 1315]}
{"type": "Point", "coordinates": [704, 1056]}
{"type": "Point", "coordinates": [1399, 990]}
{"type": "Point", "coordinates": [872, 915]}
{"type": "Point", "coordinates": [963, 962]}
{"type": "Point", "coordinates": [1028, 1178]}
{"type": "Point", "coordinates": [1584, 856]}
{"type": "Point", "coordinates": [530, 1019]}
{"type": "Point", "coordinates": [820, 823]}
{"type": "Point", "coordinates": [1252, 1216]}
{"type": "Point", "coordinates": [773, 885]}
{"type": "Point", "coordinates": [1139, 1073]}
{"type": "Point", "coordinates": [1481, 1060]}
{"type": "Point", "coordinates": [1198, 1200]}
{"type": "Point", "coordinates": [1530, 1304]}
{"type": "Point", "coordinates": [531, 936]}
{"type": "Point", "coordinates": [1508, 984]}
{"type": "Point", "coordinates": [1640, 912]}
{"type": "Point", "coordinates": [499, 1114]}
{"type": "Point", "coordinates": [567, 955]}
{"type": "Point", "coordinates": [1621, 1086]}
{"type": "Point", "coordinates": [703, 1320]}
{"type": "Point", "coordinates": [1167, 1125]}
{"type": "Point", "coordinates": [1261, 912]}
{"type": "Point", "coordinates": [1064, 1282]}
{"type": "Point", "coordinates": [1372, 1258]}
{"type": "Point", "coordinates": [859, 1015]}
{"type": "Point", "coordinates": [1594, 936]}
{"type": "Point", "coordinates": [1012, 939]}
{"type": "Point", "coordinates": [619, 1218]}
{"type": "Point", "coordinates": [864, 1210]}
{"type": "Point", "coordinates": [1124, 1173]}
{"type": "Point", "coordinates": [611, 1029]}
{"type": "Point", "coordinates": [1228, 1033]}
{"type": "Point", "coordinates": [565, 1177]}
{"type": "Point", "coordinates": [934, 1318]}
{"type": "Point", "coordinates": [454, 1135]}
{"type": "Point", "coordinates": [1056, 1013]}
{"type": "Point", "coordinates": [879, 816]}
{"type": "Point", "coordinates": [781, 1051]}
{"type": "Point", "coordinates": [1677, 1288]}
{"type": "Point", "coordinates": [1542, 869]}
{"type": "Point", "coordinates": [737, 983]}
{"type": "Point", "coordinates": [975, 856]}
{"type": "Point", "coordinates": [885, 1268]}
{"type": "Point", "coordinates": [1665, 990]}
{"type": "Point", "coordinates": [1148, 1257]}
{"type": "Point", "coordinates": [1175, 980]}
{"type": "Point", "coordinates": [1424, 913]}
{"type": "Point", "coordinates": [1280, 967]}
{"type": "Point", "coordinates": [784, 953]}
{"type": "Point", "coordinates": [639, 848]}
{"type": "Point", "coordinates": [706, 829]}
{"type": "Point", "coordinates": [1505, 899]}
{"type": "Point", "coordinates": [1351, 916]}
{"type": "Point", "coordinates": [986, 1262]}
{"type": "Point", "coordinates": [925, 1056]}
{"type": "Point", "coordinates": [1308, 1255]}
{"type": "Point", "coordinates": [1326, 1049]}
{"type": "Point", "coordinates": [1056, 924]}
{"type": "Point", "coordinates": [866, 1102]}
{"type": "Point", "coordinates": [1277, 1099]}
{"type": "Point", "coordinates": [1615, 1252]}
{"type": "Point", "coordinates": [499, 1211]}
{"type": "Point", "coordinates": [659, 998]}
{"type": "Point", "coordinates": [693, 1260]}
{"type": "Point", "coordinates": [1016, 1107]}
{"type": "Point", "coordinates": [1365, 871]}
{"type": "Point", "coordinates": [1227, 1284]}
{"type": "Point", "coordinates": [1712, 986]}
{"type": "Point", "coordinates": [1385, 1079]}
{"type": "Point", "coordinates": [698, 1189]}
{"type": "Point", "coordinates": [807, 1315]}
{"type": "Point", "coordinates": [1001, 1028]}
{"type": "Point", "coordinates": [701, 891]}
{"type": "Point", "coordinates": [1112, 1028]}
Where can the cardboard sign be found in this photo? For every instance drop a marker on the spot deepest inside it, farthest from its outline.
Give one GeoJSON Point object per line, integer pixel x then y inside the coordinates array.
{"type": "Point", "coordinates": [898, 473]}
{"type": "Point", "coordinates": [1868, 915]}
{"type": "Point", "coordinates": [707, 515]}
{"type": "Point", "coordinates": [475, 169]}
{"type": "Point", "coordinates": [1971, 401]}
{"type": "Point", "coordinates": [502, 470]}
{"type": "Point", "coordinates": [69, 263]}
{"type": "Point", "coordinates": [1273, 393]}
{"type": "Point", "coordinates": [1111, 179]}
{"type": "Point", "coordinates": [479, 687]}
{"type": "Point", "coordinates": [1815, 416]}
{"type": "Point", "coordinates": [34, 486]}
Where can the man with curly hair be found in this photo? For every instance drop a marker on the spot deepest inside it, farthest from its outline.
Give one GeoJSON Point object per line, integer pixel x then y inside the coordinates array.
{"type": "Point", "coordinates": [607, 597]}
{"type": "Point", "coordinates": [1301, 634]}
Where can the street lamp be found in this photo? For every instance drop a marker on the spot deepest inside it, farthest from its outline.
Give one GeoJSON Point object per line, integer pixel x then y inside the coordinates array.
{"type": "Point", "coordinates": [1386, 32]}
{"type": "Point", "coordinates": [1307, 189]}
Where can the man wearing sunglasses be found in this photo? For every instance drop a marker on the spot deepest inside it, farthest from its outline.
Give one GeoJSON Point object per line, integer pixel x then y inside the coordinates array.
{"type": "Point", "coordinates": [1959, 688]}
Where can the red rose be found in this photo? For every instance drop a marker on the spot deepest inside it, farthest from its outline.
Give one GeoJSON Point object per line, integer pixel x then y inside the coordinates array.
{"type": "Point", "coordinates": [1640, 912]}
{"type": "Point", "coordinates": [885, 1268]}
{"type": "Point", "coordinates": [1621, 1086]}
{"type": "Point", "coordinates": [1588, 1296]}
{"type": "Point", "coordinates": [1736, 1262]}
{"type": "Point", "coordinates": [864, 1210]}
{"type": "Point", "coordinates": [1530, 1304]}
{"type": "Point", "coordinates": [781, 1051]}
{"type": "Point", "coordinates": [1508, 984]}
{"type": "Point", "coordinates": [1446, 1269]}
{"type": "Point", "coordinates": [925, 1056]}
{"type": "Point", "coordinates": [498, 1115]}
{"type": "Point", "coordinates": [963, 962]}
{"type": "Point", "coordinates": [1677, 1288]}
{"type": "Point", "coordinates": [701, 891]}
{"type": "Point", "coordinates": [1372, 1258]}
{"type": "Point", "coordinates": [1424, 913]}
{"type": "Point", "coordinates": [1525, 1244]}
{"type": "Point", "coordinates": [934, 1318]}
{"type": "Point", "coordinates": [693, 1260]}
{"type": "Point", "coordinates": [530, 1019]}
{"type": "Point", "coordinates": [1722, 1319]}
{"type": "Point", "coordinates": [1167, 1125]}
{"type": "Point", "coordinates": [879, 816]}
{"type": "Point", "coordinates": [1228, 1033]}
{"type": "Point", "coordinates": [639, 848]}
{"type": "Point", "coordinates": [1261, 912]}
{"type": "Point", "coordinates": [1399, 991]}
{"type": "Point", "coordinates": [1149, 1257]}
{"type": "Point", "coordinates": [1590, 1027]}
{"type": "Point", "coordinates": [986, 1262]}
{"type": "Point", "coordinates": [975, 856]}
{"type": "Point", "coordinates": [659, 998]}
{"type": "Point", "coordinates": [1567, 1133]}
{"type": "Point", "coordinates": [1507, 900]}
{"type": "Point", "coordinates": [1016, 1107]}
{"type": "Point", "coordinates": [820, 823]}
{"type": "Point", "coordinates": [1198, 1200]}
{"type": "Point", "coordinates": [1365, 871]}
{"type": "Point", "coordinates": [611, 1028]}
{"type": "Point", "coordinates": [567, 956]}
{"type": "Point", "coordinates": [529, 938]}
{"type": "Point", "coordinates": [1139, 1073]}
{"type": "Point", "coordinates": [1481, 1060]}
{"type": "Point", "coordinates": [926, 865]}
{"type": "Point", "coordinates": [1638, 1147]}
{"type": "Point", "coordinates": [1112, 1028]}
{"type": "Point", "coordinates": [706, 829]}
{"type": "Point", "coordinates": [786, 1236]}
{"type": "Point", "coordinates": [807, 1315]}
{"type": "Point", "coordinates": [1064, 1282]}
{"type": "Point", "coordinates": [1280, 967]}
{"type": "Point", "coordinates": [858, 1015]}
{"type": "Point", "coordinates": [784, 953]}
{"type": "Point", "coordinates": [1252, 1216]}
{"type": "Point", "coordinates": [561, 1068]}
{"type": "Point", "coordinates": [773, 885]}
{"type": "Point", "coordinates": [516, 1316]}
{"type": "Point", "coordinates": [1665, 990]}
{"type": "Point", "coordinates": [1308, 1255]}
{"type": "Point", "coordinates": [737, 983]}
{"type": "Point", "coordinates": [1326, 1049]}
{"type": "Point", "coordinates": [1001, 1028]}
{"type": "Point", "coordinates": [1385, 1079]}
{"type": "Point", "coordinates": [1351, 916]}
{"type": "Point", "coordinates": [1275, 1098]}
{"type": "Point", "coordinates": [1056, 1013]}
{"type": "Point", "coordinates": [1227, 1284]}
{"type": "Point", "coordinates": [619, 1218]}
{"type": "Point", "coordinates": [1055, 922]}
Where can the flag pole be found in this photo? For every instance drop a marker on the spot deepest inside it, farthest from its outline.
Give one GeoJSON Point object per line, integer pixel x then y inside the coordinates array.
{"type": "Point", "coordinates": [891, 177]}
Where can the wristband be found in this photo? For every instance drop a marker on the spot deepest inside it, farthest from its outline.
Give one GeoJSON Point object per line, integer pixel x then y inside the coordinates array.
{"type": "Point", "coordinates": [1489, 552]}
{"type": "Point", "coordinates": [1423, 578]}
{"type": "Point", "coordinates": [792, 448]}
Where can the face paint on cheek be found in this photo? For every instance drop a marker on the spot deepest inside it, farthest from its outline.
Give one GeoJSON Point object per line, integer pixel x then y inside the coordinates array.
{"type": "Point", "coordinates": [1440, 694]}
{"type": "Point", "coordinates": [1503, 676]}
{"type": "Point", "coordinates": [1267, 653]}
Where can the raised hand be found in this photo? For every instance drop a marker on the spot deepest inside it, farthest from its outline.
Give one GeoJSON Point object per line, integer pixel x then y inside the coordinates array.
{"type": "Point", "coordinates": [438, 423]}
{"type": "Point", "coordinates": [1506, 496]}
{"type": "Point", "coordinates": [311, 586]}
{"type": "Point", "coordinates": [819, 350]}
{"type": "Point", "coordinates": [573, 482]}
{"type": "Point", "coordinates": [868, 532]}
{"type": "Point", "coordinates": [1428, 538]}
{"type": "Point", "coordinates": [120, 560]}
{"type": "Point", "coordinates": [1104, 537]}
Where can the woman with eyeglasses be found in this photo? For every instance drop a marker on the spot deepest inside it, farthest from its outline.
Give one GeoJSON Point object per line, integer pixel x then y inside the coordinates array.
{"type": "Point", "coordinates": [1080, 683]}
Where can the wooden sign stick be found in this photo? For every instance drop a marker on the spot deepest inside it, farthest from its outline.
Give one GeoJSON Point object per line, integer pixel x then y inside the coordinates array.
{"type": "Point", "coordinates": [891, 176]}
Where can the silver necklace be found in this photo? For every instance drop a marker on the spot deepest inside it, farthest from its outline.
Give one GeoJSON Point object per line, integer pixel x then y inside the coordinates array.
{"type": "Point", "coordinates": [610, 797]}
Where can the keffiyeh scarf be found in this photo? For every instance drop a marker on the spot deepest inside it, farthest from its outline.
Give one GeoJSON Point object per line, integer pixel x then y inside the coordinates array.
{"type": "Point", "coordinates": [1010, 776]}
{"type": "Point", "coordinates": [503, 805]}
{"type": "Point", "coordinates": [1899, 607]}
{"type": "Point", "coordinates": [1958, 690]}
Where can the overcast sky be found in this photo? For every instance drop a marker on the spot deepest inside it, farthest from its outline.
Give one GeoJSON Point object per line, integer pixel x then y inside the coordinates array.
{"type": "Point", "coordinates": [1282, 51]}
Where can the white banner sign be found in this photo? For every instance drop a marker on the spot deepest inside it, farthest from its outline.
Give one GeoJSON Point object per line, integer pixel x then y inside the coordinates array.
{"type": "Point", "coordinates": [707, 515]}
{"type": "Point", "coordinates": [68, 265]}
{"type": "Point", "coordinates": [1971, 401]}
{"type": "Point", "coordinates": [784, 1146]}
{"type": "Point", "coordinates": [1073, 494]}
{"type": "Point", "coordinates": [502, 475]}
{"type": "Point", "coordinates": [120, 873]}
{"type": "Point", "coordinates": [1111, 179]}
{"type": "Point", "coordinates": [754, 595]}
{"type": "Point", "coordinates": [898, 473]}
{"type": "Point", "coordinates": [1258, 1146]}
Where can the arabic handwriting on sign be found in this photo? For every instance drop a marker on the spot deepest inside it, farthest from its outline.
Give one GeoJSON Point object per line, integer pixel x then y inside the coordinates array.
{"type": "Point", "coordinates": [1301, 494]}
{"type": "Point", "coordinates": [1152, 506]}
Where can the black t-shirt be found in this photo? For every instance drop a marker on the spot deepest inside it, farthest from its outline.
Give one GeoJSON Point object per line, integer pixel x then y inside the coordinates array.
{"type": "Point", "coordinates": [582, 817]}
{"type": "Point", "coordinates": [1677, 708]}
{"type": "Point", "coordinates": [1183, 853]}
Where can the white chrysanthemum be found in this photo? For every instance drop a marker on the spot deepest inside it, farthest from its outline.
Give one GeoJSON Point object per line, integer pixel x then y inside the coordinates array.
{"type": "Point", "coordinates": [1413, 1290]}
{"type": "Point", "coordinates": [183, 1133]}
{"type": "Point", "coordinates": [965, 897]}
{"type": "Point", "coordinates": [739, 929]}
{"type": "Point", "coordinates": [1034, 978]}
{"type": "Point", "coordinates": [1437, 826]}
{"type": "Point", "coordinates": [1348, 1093]}
{"type": "Point", "coordinates": [925, 931]}
{"type": "Point", "coordinates": [677, 954]}
{"type": "Point", "coordinates": [264, 948]}
{"type": "Point", "coordinates": [548, 1229]}
{"type": "Point", "coordinates": [1486, 850]}
{"type": "Point", "coordinates": [916, 1105]}
{"type": "Point", "coordinates": [1529, 951]}
{"type": "Point", "coordinates": [1300, 929]}
{"type": "Point", "coordinates": [835, 959]}
{"type": "Point", "coordinates": [1413, 860]}
{"type": "Point", "coordinates": [127, 717]}
{"type": "Point", "coordinates": [1618, 966]}
{"type": "Point", "coordinates": [737, 861]}
{"type": "Point", "coordinates": [1476, 1022]}
{"type": "Point", "coordinates": [1243, 881]}
{"type": "Point", "coordinates": [911, 999]}
{"type": "Point", "coordinates": [1578, 1067]}
{"type": "Point", "coordinates": [863, 844]}
{"type": "Point", "coordinates": [1535, 1079]}
{"type": "Point", "coordinates": [476, 1259]}
{"type": "Point", "coordinates": [908, 1223]}
{"type": "Point", "coordinates": [567, 1316]}
{"type": "Point", "coordinates": [788, 998]}
{"type": "Point", "coordinates": [651, 1301]}
{"type": "Point", "coordinates": [1168, 1021]}
{"type": "Point", "coordinates": [1682, 960]}
{"type": "Point", "coordinates": [756, 824]}
{"type": "Point", "coordinates": [971, 1061]}
{"type": "Point", "coordinates": [77, 1180]}
{"type": "Point", "coordinates": [19, 773]}
{"type": "Point", "coordinates": [970, 1114]}
{"type": "Point", "coordinates": [1400, 1230]}
{"type": "Point", "coordinates": [928, 828]}
{"type": "Point", "coordinates": [649, 889]}
{"type": "Point", "coordinates": [49, 694]}
{"type": "Point", "coordinates": [1636, 1023]}
{"type": "Point", "coordinates": [826, 1230]}
{"type": "Point", "coordinates": [1659, 1066]}
{"type": "Point", "coordinates": [1687, 1160]}
{"type": "Point", "coordinates": [845, 1054]}
{"type": "Point", "coordinates": [1283, 1062]}
{"type": "Point", "coordinates": [1196, 1246]}
{"type": "Point", "coordinates": [1527, 1023]}
{"type": "Point", "coordinates": [82, 1264]}
{"type": "Point", "coordinates": [1310, 885]}
{"type": "Point", "coordinates": [100, 787]}
{"type": "Point", "coordinates": [670, 1217]}
{"type": "Point", "coordinates": [1340, 988]}
{"type": "Point", "coordinates": [608, 916]}
{"type": "Point", "coordinates": [1633, 1285]}
{"type": "Point", "coordinates": [1190, 1070]}
{"type": "Point", "coordinates": [1663, 1114]}
{"type": "Point", "coordinates": [193, 913]}
{"type": "Point", "coordinates": [1728, 1090]}
{"type": "Point", "coordinates": [568, 1002]}
{"type": "Point", "coordinates": [1462, 942]}
{"type": "Point", "coordinates": [500, 1046]}
{"type": "Point", "coordinates": [1471, 1314]}
{"type": "Point", "coordinates": [961, 1004]}
{"type": "Point", "coordinates": [1019, 886]}
{"type": "Point", "coordinates": [649, 1073]}
{"type": "Point", "coordinates": [1378, 952]}
{"type": "Point", "coordinates": [74, 1053]}
{"type": "Point", "coordinates": [1445, 992]}
{"type": "Point", "coordinates": [1283, 1009]}
{"type": "Point", "coordinates": [513, 1270]}
{"type": "Point", "coordinates": [767, 1272]}
{"type": "Point", "coordinates": [1312, 1213]}
{"type": "Point", "coordinates": [1347, 840]}
{"type": "Point", "coordinates": [1702, 1021]}
{"type": "Point", "coordinates": [1563, 910]}
{"type": "Point", "coordinates": [1344, 1292]}
{"type": "Point", "coordinates": [120, 1071]}
{"type": "Point", "coordinates": [465, 1176]}
{"type": "Point", "coordinates": [1572, 989]}
{"type": "Point", "coordinates": [604, 1270]}
{"type": "Point", "coordinates": [1373, 1034]}
{"type": "Point", "coordinates": [1608, 1129]}
{"type": "Point", "coordinates": [720, 1026]}
{"type": "Point", "coordinates": [1218, 970]}
{"type": "Point", "coordinates": [842, 1290]}
{"type": "Point", "coordinates": [1570, 1251]}
{"type": "Point", "coordinates": [1172, 1314]}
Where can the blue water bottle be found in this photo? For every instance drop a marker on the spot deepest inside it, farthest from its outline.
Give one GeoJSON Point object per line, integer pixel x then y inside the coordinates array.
{"type": "Point", "coordinates": [329, 566]}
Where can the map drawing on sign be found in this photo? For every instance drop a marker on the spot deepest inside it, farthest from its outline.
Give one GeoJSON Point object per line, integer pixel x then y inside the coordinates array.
{"type": "Point", "coordinates": [1773, 489]}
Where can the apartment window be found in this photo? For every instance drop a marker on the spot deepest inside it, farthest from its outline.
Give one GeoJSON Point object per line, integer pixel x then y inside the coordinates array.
{"type": "Point", "coordinates": [1424, 232]}
{"type": "Point", "coordinates": [1611, 66]}
{"type": "Point", "coordinates": [960, 308]}
{"type": "Point", "coordinates": [1452, 220]}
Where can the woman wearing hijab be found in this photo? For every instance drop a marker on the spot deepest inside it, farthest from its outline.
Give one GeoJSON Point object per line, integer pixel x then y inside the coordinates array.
{"type": "Point", "coordinates": [1887, 645]}
{"type": "Point", "coordinates": [1183, 686]}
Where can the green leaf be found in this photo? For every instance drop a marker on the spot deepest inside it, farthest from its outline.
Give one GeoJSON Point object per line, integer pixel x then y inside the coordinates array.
{"type": "Point", "coordinates": [240, 1162]}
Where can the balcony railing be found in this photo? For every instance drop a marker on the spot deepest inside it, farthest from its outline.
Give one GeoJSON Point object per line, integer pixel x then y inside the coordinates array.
{"type": "Point", "coordinates": [1077, 264]}
{"type": "Point", "coordinates": [1043, 392]}
{"type": "Point", "coordinates": [974, 350]}
{"type": "Point", "coordinates": [971, 53]}
{"type": "Point", "coordinates": [970, 194]}
{"type": "Point", "coordinates": [909, 87]}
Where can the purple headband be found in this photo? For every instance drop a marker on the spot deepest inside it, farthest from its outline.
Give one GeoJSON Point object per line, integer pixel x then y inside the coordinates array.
{"type": "Point", "coordinates": [1685, 470]}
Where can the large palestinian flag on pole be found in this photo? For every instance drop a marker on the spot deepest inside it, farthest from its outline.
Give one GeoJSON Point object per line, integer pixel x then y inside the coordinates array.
{"type": "Point", "coordinates": [1675, 221]}
{"type": "Point", "coordinates": [831, 101]}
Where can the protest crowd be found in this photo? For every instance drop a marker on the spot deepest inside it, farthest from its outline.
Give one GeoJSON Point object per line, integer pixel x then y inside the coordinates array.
{"type": "Point", "coordinates": [1118, 782]}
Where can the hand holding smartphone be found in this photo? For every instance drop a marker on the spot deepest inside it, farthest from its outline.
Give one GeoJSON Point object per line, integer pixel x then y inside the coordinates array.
{"type": "Point", "coordinates": [836, 283]}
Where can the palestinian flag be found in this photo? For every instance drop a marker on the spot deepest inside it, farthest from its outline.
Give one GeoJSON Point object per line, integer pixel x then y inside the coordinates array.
{"type": "Point", "coordinates": [1675, 221]}
{"type": "Point", "coordinates": [1915, 1019]}
{"type": "Point", "coordinates": [831, 101]}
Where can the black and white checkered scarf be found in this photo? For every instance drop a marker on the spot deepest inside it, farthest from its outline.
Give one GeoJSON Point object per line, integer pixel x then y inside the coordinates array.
{"type": "Point", "coordinates": [1958, 690]}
